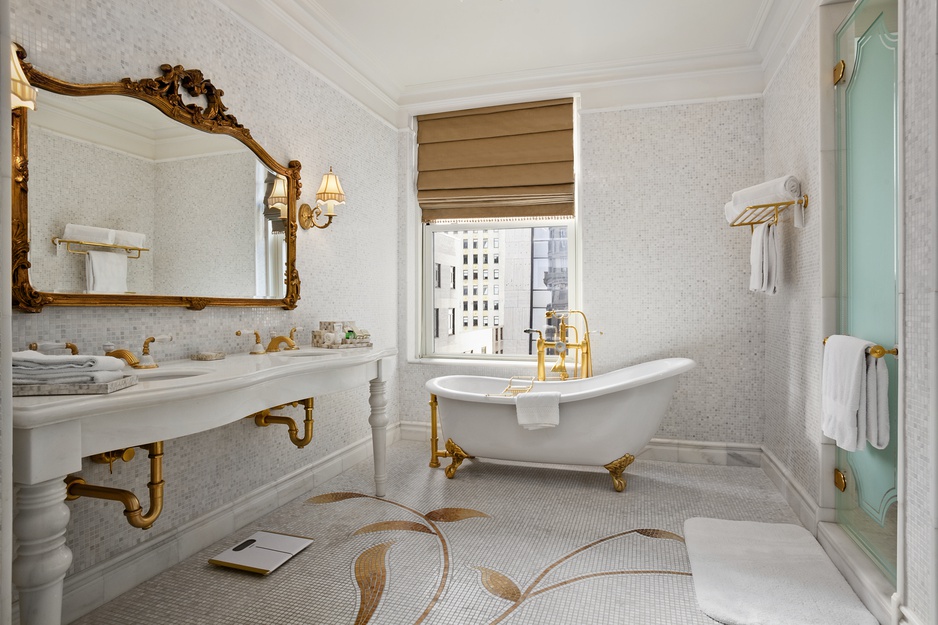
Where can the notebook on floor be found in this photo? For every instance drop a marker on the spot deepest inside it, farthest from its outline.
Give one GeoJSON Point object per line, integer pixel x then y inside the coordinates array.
{"type": "Point", "coordinates": [262, 552]}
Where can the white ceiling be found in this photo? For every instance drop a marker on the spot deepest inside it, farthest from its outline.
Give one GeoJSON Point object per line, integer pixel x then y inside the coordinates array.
{"type": "Point", "coordinates": [401, 57]}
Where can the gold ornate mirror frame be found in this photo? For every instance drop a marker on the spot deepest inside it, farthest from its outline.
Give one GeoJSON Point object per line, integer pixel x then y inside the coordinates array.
{"type": "Point", "coordinates": [165, 93]}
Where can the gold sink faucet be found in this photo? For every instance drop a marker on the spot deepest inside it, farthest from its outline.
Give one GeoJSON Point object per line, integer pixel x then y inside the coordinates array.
{"type": "Point", "coordinates": [274, 345]}
{"type": "Point", "coordinates": [125, 354]}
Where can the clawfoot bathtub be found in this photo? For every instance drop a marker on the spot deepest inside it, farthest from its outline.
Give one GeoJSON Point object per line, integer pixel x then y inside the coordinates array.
{"type": "Point", "coordinates": [606, 419]}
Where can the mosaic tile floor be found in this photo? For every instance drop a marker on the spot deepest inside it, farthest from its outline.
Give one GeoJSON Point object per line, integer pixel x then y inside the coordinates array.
{"type": "Point", "coordinates": [500, 543]}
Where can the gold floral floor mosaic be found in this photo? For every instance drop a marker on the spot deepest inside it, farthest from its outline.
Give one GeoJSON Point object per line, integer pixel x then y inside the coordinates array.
{"type": "Point", "coordinates": [501, 543]}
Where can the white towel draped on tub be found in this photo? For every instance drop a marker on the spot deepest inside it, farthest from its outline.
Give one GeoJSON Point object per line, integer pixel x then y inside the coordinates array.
{"type": "Point", "coordinates": [538, 410]}
{"type": "Point", "coordinates": [106, 272]}
{"type": "Point", "coordinates": [854, 392]}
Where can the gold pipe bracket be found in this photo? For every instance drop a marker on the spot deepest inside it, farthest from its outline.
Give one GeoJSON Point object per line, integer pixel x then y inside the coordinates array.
{"type": "Point", "coordinates": [110, 457]}
{"type": "Point", "coordinates": [264, 418]}
{"type": "Point", "coordinates": [77, 487]}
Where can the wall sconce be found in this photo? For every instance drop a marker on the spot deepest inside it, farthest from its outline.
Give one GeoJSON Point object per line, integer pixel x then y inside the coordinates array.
{"type": "Point", "coordinates": [276, 211]}
{"type": "Point", "coordinates": [330, 194]}
{"type": "Point", "coordinates": [22, 93]}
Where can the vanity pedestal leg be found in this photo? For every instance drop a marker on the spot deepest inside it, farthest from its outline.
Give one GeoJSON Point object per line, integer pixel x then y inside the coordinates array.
{"type": "Point", "coordinates": [42, 558]}
{"type": "Point", "coordinates": [379, 432]}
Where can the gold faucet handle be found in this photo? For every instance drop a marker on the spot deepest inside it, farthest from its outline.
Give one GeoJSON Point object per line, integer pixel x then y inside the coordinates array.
{"type": "Point", "coordinates": [293, 336]}
{"type": "Point", "coordinates": [162, 338]}
{"type": "Point", "coordinates": [258, 348]}
{"type": "Point", "coordinates": [37, 347]}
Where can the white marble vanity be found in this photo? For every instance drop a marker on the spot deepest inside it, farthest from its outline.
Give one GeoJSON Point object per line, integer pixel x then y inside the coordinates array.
{"type": "Point", "coordinates": [52, 434]}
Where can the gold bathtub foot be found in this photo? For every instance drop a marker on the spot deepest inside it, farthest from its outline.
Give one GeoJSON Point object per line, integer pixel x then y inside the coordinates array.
{"type": "Point", "coordinates": [616, 468]}
{"type": "Point", "coordinates": [457, 454]}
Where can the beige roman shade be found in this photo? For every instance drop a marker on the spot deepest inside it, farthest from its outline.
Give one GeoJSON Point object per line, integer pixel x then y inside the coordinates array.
{"type": "Point", "coordinates": [500, 161]}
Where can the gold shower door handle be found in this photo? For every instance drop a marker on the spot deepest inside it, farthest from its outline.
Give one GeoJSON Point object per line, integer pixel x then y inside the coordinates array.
{"type": "Point", "coordinates": [840, 480]}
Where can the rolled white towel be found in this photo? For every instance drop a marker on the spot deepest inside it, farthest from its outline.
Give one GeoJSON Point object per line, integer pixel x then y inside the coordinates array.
{"type": "Point", "coordinates": [37, 361]}
{"type": "Point", "coordinates": [783, 189]}
{"type": "Point", "coordinates": [130, 239]}
{"type": "Point", "coordinates": [89, 234]}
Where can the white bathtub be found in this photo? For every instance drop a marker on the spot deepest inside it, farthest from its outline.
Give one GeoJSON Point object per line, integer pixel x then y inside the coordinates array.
{"type": "Point", "coordinates": [606, 419]}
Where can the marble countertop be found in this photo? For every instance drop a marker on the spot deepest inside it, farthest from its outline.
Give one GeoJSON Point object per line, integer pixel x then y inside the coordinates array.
{"type": "Point", "coordinates": [180, 398]}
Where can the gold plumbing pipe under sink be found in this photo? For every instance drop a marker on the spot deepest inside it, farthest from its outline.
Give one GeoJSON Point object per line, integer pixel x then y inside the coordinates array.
{"type": "Point", "coordinates": [264, 418]}
{"type": "Point", "coordinates": [76, 487]}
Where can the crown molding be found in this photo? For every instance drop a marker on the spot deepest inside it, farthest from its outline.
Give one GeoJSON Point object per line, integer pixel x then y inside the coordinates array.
{"type": "Point", "coordinates": [292, 29]}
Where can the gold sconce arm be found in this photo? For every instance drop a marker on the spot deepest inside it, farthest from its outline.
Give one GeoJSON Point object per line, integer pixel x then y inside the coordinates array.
{"type": "Point", "coordinates": [309, 215]}
{"type": "Point", "coordinates": [76, 487]}
{"type": "Point", "coordinates": [264, 418]}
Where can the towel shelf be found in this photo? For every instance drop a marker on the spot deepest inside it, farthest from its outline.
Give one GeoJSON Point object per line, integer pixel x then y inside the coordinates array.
{"type": "Point", "coordinates": [757, 214]}
{"type": "Point", "coordinates": [129, 249]}
{"type": "Point", "coordinates": [876, 351]}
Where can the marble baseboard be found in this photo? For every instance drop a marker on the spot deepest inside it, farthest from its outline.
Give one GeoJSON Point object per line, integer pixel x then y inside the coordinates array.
{"type": "Point", "coordinates": [873, 589]}
{"type": "Point", "coordinates": [94, 587]}
{"type": "Point", "coordinates": [693, 452]}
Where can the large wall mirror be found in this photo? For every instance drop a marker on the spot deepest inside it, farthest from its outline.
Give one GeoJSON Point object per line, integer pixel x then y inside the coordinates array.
{"type": "Point", "coordinates": [147, 193]}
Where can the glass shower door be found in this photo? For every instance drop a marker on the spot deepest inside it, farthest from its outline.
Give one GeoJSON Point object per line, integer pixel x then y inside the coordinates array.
{"type": "Point", "coordinates": [866, 100]}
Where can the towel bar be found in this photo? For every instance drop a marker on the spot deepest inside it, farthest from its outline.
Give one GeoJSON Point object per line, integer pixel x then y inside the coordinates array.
{"type": "Point", "coordinates": [110, 246]}
{"type": "Point", "coordinates": [876, 351]}
{"type": "Point", "coordinates": [757, 214]}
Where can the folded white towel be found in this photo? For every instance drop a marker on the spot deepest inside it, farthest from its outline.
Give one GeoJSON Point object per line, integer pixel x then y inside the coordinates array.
{"type": "Point", "coordinates": [89, 234]}
{"type": "Point", "coordinates": [877, 402]}
{"type": "Point", "coordinates": [130, 239]}
{"type": "Point", "coordinates": [106, 272]}
{"type": "Point", "coordinates": [538, 410]}
{"type": "Point", "coordinates": [783, 189]}
{"type": "Point", "coordinates": [36, 361]}
{"type": "Point", "coordinates": [67, 377]}
{"type": "Point", "coordinates": [843, 391]}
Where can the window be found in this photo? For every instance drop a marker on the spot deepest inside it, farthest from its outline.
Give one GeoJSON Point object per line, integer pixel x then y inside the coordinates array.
{"type": "Point", "coordinates": [436, 275]}
{"type": "Point", "coordinates": [537, 254]}
{"type": "Point", "coordinates": [452, 277]}
{"type": "Point", "coordinates": [451, 322]}
{"type": "Point", "coordinates": [436, 323]}
{"type": "Point", "coordinates": [468, 163]}
{"type": "Point", "coordinates": [465, 274]}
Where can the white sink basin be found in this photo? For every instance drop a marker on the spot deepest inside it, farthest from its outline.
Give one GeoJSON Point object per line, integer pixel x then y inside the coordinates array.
{"type": "Point", "coordinates": [150, 375]}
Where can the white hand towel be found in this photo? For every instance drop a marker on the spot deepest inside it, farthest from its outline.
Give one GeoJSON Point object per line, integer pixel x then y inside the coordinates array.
{"type": "Point", "coordinates": [68, 377]}
{"type": "Point", "coordinates": [130, 239]}
{"type": "Point", "coordinates": [843, 390]}
{"type": "Point", "coordinates": [757, 258]}
{"type": "Point", "coordinates": [538, 410]}
{"type": "Point", "coordinates": [106, 272]}
{"type": "Point", "coordinates": [877, 402]}
{"type": "Point", "coordinates": [770, 261]}
{"type": "Point", "coordinates": [89, 234]}
{"type": "Point", "coordinates": [33, 360]}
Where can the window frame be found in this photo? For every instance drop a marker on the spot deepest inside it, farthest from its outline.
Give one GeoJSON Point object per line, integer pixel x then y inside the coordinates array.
{"type": "Point", "coordinates": [425, 268]}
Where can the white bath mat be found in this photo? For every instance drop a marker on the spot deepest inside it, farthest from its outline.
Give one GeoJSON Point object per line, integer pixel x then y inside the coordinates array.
{"type": "Point", "coordinates": [748, 573]}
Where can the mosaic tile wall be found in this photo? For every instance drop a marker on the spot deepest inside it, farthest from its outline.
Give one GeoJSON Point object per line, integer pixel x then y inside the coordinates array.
{"type": "Point", "coordinates": [793, 316]}
{"type": "Point", "coordinates": [664, 273]}
{"type": "Point", "coordinates": [344, 269]}
{"type": "Point", "coordinates": [920, 224]}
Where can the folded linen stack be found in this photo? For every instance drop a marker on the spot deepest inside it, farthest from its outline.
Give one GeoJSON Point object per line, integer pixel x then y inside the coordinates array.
{"type": "Point", "coordinates": [105, 272]}
{"type": "Point", "coordinates": [32, 367]}
{"type": "Point", "coordinates": [854, 394]}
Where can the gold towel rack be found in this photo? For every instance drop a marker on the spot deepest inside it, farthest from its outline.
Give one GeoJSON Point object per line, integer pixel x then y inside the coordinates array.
{"type": "Point", "coordinates": [876, 351]}
{"type": "Point", "coordinates": [129, 249]}
{"type": "Point", "coordinates": [757, 214]}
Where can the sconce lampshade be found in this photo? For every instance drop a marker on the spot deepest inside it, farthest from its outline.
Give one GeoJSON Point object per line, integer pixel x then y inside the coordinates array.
{"type": "Point", "coordinates": [278, 194]}
{"type": "Point", "coordinates": [22, 93]}
{"type": "Point", "coordinates": [330, 193]}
